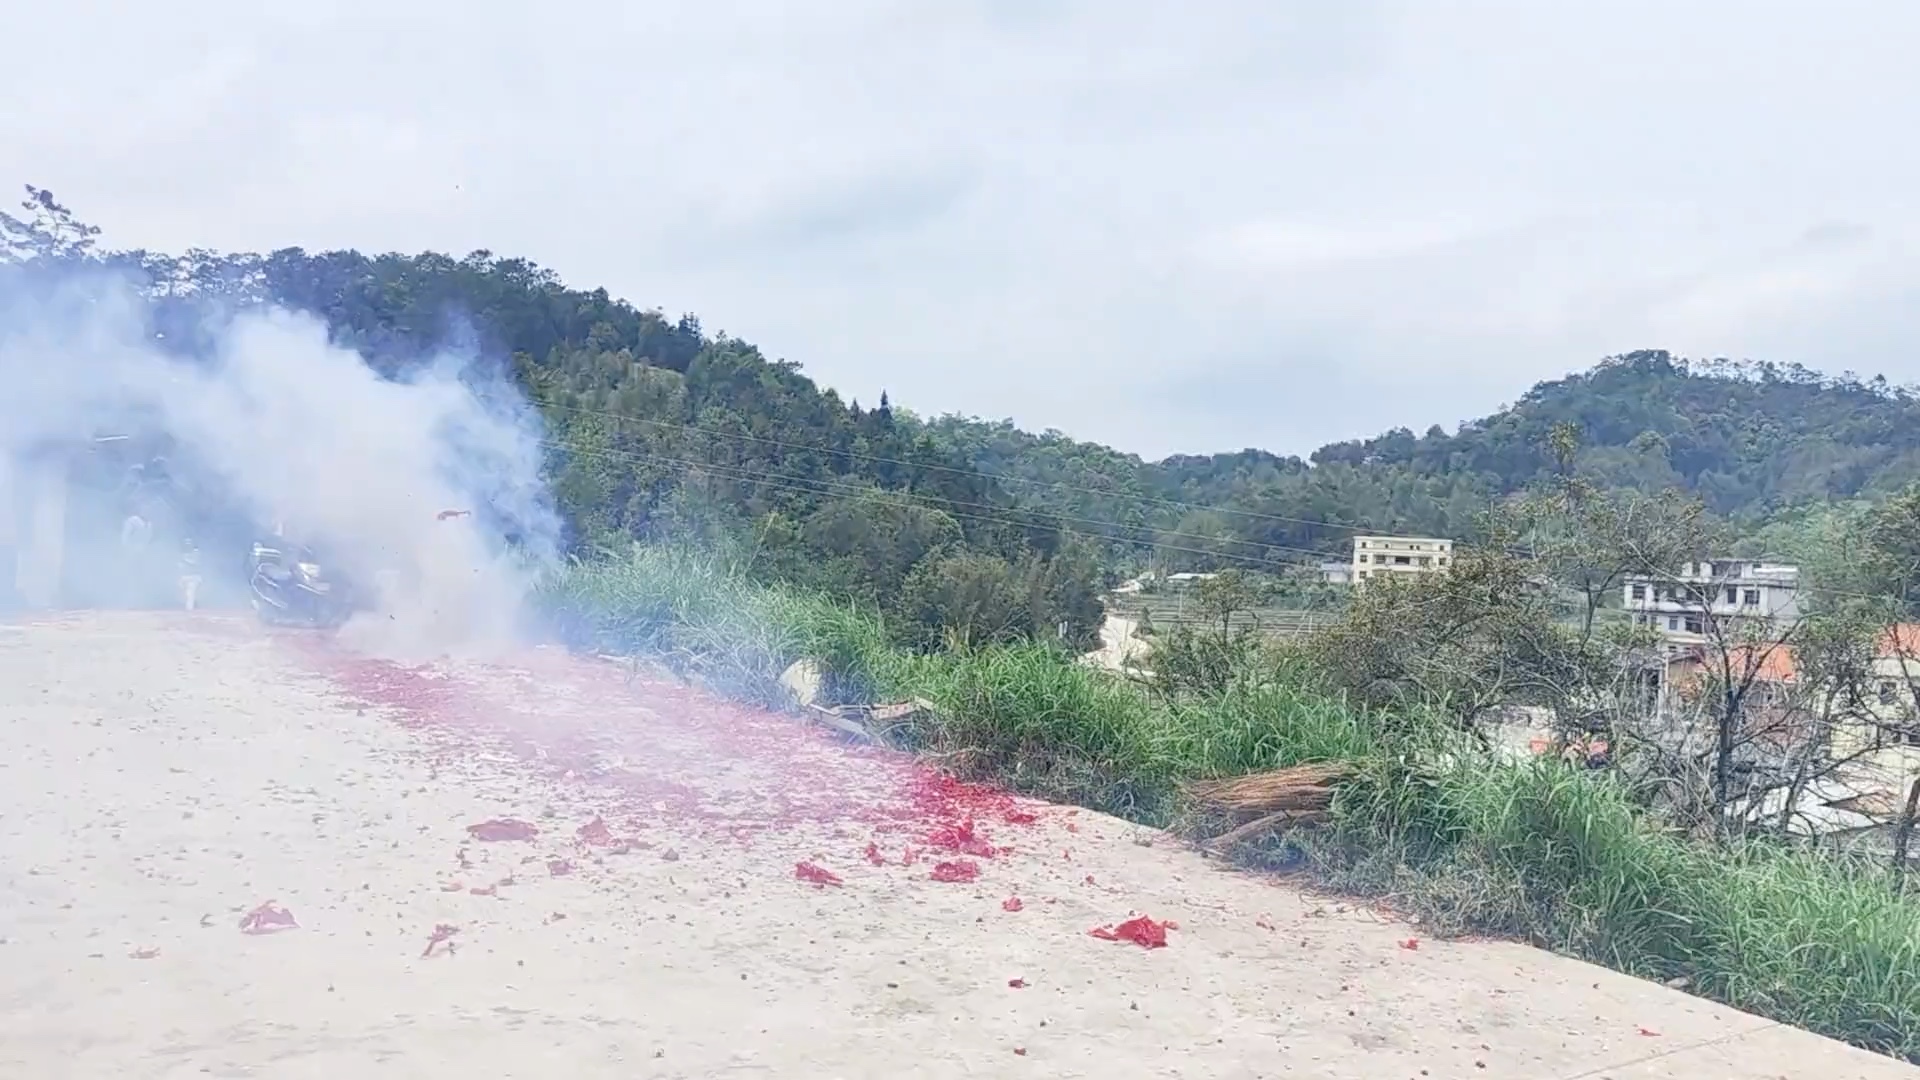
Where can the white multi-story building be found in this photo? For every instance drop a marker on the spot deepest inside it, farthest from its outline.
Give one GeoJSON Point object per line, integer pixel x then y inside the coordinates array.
{"type": "Point", "coordinates": [1687, 607]}
{"type": "Point", "coordinates": [1377, 557]}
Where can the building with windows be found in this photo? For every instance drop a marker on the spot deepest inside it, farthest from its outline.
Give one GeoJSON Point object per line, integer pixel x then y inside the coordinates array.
{"type": "Point", "coordinates": [1378, 557]}
{"type": "Point", "coordinates": [1891, 701]}
{"type": "Point", "coordinates": [1711, 599]}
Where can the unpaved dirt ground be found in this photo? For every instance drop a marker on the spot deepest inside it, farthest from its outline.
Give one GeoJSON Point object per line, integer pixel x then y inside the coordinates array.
{"type": "Point", "coordinates": [1118, 645]}
{"type": "Point", "coordinates": [163, 776]}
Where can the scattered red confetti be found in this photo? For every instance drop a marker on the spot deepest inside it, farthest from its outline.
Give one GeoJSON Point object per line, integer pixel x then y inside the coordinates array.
{"type": "Point", "coordinates": [940, 796]}
{"type": "Point", "coordinates": [819, 876]}
{"type": "Point", "coordinates": [1650, 1033]}
{"type": "Point", "coordinates": [1020, 1050]}
{"type": "Point", "coordinates": [1141, 930]}
{"type": "Point", "coordinates": [150, 952]}
{"type": "Point", "coordinates": [961, 837]}
{"type": "Point", "coordinates": [266, 919]}
{"type": "Point", "coordinates": [1410, 944]}
{"type": "Point", "coordinates": [874, 856]}
{"type": "Point", "coordinates": [442, 933]}
{"type": "Point", "coordinates": [500, 829]}
{"type": "Point", "coordinates": [1089, 879]}
{"type": "Point", "coordinates": [1017, 984]}
{"type": "Point", "coordinates": [559, 867]}
{"type": "Point", "coordinates": [1067, 855]}
{"type": "Point", "coordinates": [1072, 827]}
{"type": "Point", "coordinates": [1011, 903]}
{"type": "Point", "coordinates": [595, 832]}
{"type": "Point", "coordinates": [572, 736]}
{"type": "Point", "coordinates": [957, 870]}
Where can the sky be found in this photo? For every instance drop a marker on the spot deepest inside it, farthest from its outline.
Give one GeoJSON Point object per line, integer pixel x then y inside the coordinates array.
{"type": "Point", "coordinates": [1167, 227]}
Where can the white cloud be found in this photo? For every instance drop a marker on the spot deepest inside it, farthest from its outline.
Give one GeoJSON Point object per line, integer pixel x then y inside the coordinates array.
{"type": "Point", "coordinates": [1309, 220]}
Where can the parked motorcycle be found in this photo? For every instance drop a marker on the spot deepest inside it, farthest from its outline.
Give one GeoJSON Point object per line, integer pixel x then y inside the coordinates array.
{"type": "Point", "coordinates": [288, 585]}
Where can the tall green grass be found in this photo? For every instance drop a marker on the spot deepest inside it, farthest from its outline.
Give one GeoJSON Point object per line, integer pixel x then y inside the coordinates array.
{"type": "Point", "coordinates": [1565, 859]}
{"type": "Point", "coordinates": [1534, 849]}
{"type": "Point", "coordinates": [693, 612]}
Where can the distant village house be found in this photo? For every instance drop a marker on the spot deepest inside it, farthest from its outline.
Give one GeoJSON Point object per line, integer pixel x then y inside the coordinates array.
{"type": "Point", "coordinates": [1686, 608]}
{"type": "Point", "coordinates": [1380, 557]}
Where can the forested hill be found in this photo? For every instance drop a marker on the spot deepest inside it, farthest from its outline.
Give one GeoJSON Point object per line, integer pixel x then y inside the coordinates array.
{"type": "Point", "coordinates": [661, 430]}
{"type": "Point", "coordinates": [1750, 439]}
{"type": "Point", "coordinates": [658, 430]}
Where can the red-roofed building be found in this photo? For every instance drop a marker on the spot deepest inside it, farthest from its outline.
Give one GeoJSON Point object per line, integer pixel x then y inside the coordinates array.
{"type": "Point", "coordinates": [1879, 730]}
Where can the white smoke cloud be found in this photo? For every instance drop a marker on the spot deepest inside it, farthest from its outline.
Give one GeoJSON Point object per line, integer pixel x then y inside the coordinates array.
{"type": "Point", "coordinates": [290, 427]}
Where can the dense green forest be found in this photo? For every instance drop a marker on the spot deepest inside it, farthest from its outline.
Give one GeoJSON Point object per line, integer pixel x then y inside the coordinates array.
{"type": "Point", "coordinates": [661, 430]}
{"type": "Point", "coordinates": [1754, 441]}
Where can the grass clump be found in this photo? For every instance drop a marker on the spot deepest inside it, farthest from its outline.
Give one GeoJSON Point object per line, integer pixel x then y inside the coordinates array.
{"type": "Point", "coordinates": [1565, 859]}
{"type": "Point", "coordinates": [1432, 821]}
{"type": "Point", "coordinates": [693, 613]}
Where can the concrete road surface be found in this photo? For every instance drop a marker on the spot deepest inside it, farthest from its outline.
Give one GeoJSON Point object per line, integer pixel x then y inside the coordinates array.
{"type": "Point", "coordinates": [166, 776]}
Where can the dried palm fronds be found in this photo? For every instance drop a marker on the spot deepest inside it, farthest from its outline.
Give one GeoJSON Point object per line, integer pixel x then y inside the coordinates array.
{"type": "Point", "coordinates": [1300, 787]}
{"type": "Point", "coordinates": [1280, 799]}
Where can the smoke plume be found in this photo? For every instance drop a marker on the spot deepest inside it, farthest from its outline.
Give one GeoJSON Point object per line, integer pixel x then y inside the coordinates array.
{"type": "Point", "coordinates": [266, 421]}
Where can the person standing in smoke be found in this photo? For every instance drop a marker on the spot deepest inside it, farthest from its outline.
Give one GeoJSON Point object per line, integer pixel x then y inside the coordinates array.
{"type": "Point", "coordinates": [189, 574]}
{"type": "Point", "coordinates": [136, 532]}
{"type": "Point", "coordinates": [136, 535]}
{"type": "Point", "coordinates": [148, 488]}
{"type": "Point", "coordinates": [136, 529]}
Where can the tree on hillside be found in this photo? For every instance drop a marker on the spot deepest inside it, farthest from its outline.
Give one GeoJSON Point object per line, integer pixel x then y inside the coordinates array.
{"type": "Point", "coordinates": [1208, 658]}
{"type": "Point", "coordinates": [46, 231]}
{"type": "Point", "coordinates": [1484, 635]}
